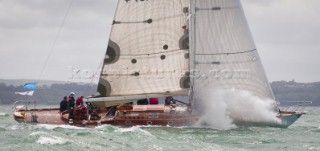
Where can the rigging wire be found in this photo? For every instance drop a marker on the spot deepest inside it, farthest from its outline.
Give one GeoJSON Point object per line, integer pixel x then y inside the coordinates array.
{"type": "Point", "coordinates": [92, 79]}
{"type": "Point", "coordinates": [55, 40]}
{"type": "Point", "coordinates": [52, 48]}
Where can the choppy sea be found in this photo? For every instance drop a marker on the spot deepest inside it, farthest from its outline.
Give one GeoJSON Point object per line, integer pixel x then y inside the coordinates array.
{"type": "Point", "coordinates": [304, 135]}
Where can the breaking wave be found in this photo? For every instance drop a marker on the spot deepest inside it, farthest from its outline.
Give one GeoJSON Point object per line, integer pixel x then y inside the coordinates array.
{"type": "Point", "coordinates": [51, 140]}
{"type": "Point", "coordinates": [222, 108]}
{"type": "Point", "coordinates": [45, 138]}
{"type": "Point", "coordinates": [133, 129]}
{"type": "Point", "coordinates": [50, 127]}
{"type": "Point", "coordinates": [4, 114]}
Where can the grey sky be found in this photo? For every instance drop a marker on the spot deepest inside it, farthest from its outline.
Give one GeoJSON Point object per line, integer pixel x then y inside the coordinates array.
{"type": "Point", "coordinates": [286, 33]}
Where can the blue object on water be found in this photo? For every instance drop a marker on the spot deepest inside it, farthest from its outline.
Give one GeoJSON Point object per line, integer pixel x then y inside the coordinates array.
{"type": "Point", "coordinates": [30, 86]}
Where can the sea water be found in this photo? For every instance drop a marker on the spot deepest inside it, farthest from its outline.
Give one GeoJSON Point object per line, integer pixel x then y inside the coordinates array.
{"type": "Point", "coordinates": [304, 135]}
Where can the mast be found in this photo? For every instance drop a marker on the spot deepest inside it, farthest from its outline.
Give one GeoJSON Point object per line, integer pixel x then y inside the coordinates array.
{"type": "Point", "coordinates": [192, 45]}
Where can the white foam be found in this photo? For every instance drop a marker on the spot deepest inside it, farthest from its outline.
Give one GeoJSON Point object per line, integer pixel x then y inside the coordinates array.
{"type": "Point", "coordinates": [133, 129]}
{"type": "Point", "coordinates": [47, 139]}
{"type": "Point", "coordinates": [4, 114]}
{"type": "Point", "coordinates": [14, 127]}
{"type": "Point", "coordinates": [50, 127]}
{"type": "Point", "coordinates": [38, 133]}
{"type": "Point", "coordinates": [103, 126]}
{"type": "Point", "coordinates": [222, 107]}
{"type": "Point", "coordinates": [52, 140]}
{"type": "Point", "coordinates": [155, 147]}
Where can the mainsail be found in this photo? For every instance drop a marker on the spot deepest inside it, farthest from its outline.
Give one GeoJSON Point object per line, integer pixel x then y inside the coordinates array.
{"type": "Point", "coordinates": [148, 49]}
{"type": "Point", "coordinates": [149, 54]}
{"type": "Point", "coordinates": [225, 56]}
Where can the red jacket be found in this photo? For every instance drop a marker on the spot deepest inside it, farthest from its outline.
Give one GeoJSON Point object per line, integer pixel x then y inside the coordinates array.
{"type": "Point", "coordinates": [79, 101]}
{"type": "Point", "coordinates": [153, 101]}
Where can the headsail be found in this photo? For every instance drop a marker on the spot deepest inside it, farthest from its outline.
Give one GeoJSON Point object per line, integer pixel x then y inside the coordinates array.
{"type": "Point", "coordinates": [148, 49]}
{"type": "Point", "coordinates": [225, 55]}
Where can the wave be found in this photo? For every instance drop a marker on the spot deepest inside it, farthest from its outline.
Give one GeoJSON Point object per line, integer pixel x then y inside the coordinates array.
{"type": "Point", "coordinates": [45, 138]}
{"type": "Point", "coordinates": [2, 129]}
{"type": "Point", "coordinates": [4, 114]}
{"type": "Point", "coordinates": [155, 147]}
{"type": "Point", "coordinates": [14, 127]}
{"type": "Point", "coordinates": [50, 127]}
{"type": "Point", "coordinates": [133, 129]}
{"type": "Point", "coordinates": [51, 140]}
{"type": "Point", "coordinates": [137, 129]}
{"type": "Point", "coordinates": [38, 133]}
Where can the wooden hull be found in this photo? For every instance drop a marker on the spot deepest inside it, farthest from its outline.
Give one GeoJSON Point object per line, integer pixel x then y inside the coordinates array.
{"type": "Point", "coordinates": [133, 115]}
{"type": "Point", "coordinates": [151, 115]}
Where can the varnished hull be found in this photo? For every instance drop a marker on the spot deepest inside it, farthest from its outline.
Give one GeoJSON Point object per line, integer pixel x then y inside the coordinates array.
{"type": "Point", "coordinates": [131, 116]}
{"type": "Point", "coordinates": [44, 116]}
{"type": "Point", "coordinates": [123, 117]}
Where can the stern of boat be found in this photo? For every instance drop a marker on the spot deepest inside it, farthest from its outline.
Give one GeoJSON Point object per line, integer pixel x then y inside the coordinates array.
{"type": "Point", "coordinates": [23, 111]}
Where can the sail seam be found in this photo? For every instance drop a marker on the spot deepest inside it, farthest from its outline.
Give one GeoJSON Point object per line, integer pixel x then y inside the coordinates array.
{"type": "Point", "coordinates": [212, 8]}
{"type": "Point", "coordinates": [229, 53]}
{"type": "Point", "coordinates": [149, 21]}
{"type": "Point", "coordinates": [148, 54]}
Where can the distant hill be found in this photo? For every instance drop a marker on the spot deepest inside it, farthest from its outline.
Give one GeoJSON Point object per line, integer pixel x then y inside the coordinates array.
{"type": "Point", "coordinates": [51, 92]}
{"type": "Point", "coordinates": [286, 91]}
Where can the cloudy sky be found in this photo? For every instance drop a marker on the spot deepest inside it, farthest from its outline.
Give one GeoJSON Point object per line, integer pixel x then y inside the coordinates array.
{"type": "Point", "coordinates": [286, 32]}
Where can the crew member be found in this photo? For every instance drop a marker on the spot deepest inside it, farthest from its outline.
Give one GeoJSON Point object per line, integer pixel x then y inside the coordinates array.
{"type": "Point", "coordinates": [142, 102]}
{"type": "Point", "coordinates": [79, 103]}
{"type": "Point", "coordinates": [64, 104]}
{"type": "Point", "coordinates": [71, 102]}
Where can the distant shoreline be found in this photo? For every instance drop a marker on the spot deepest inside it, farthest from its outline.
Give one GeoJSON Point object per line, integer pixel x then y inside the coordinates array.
{"type": "Point", "coordinates": [52, 91]}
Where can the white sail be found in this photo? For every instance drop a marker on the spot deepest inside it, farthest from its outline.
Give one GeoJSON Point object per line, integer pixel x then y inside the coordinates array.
{"type": "Point", "coordinates": [148, 49]}
{"type": "Point", "coordinates": [225, 56]}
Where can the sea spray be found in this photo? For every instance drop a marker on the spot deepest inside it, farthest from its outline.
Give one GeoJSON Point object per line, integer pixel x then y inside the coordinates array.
{"type": "Point", "coordinates": [214, 113]}
{"type": "Point", "coordinates": [222, 107]}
